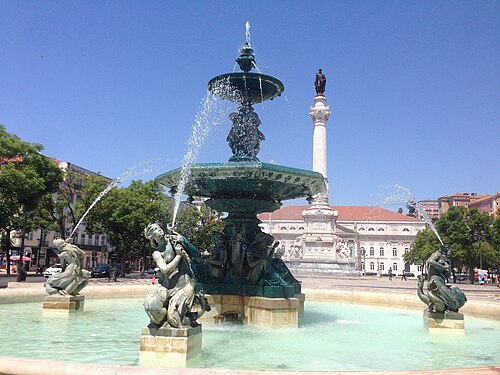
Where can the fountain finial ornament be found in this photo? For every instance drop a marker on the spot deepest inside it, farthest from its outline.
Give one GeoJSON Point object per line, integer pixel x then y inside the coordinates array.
{"type": "Point", "coordinates": [320, 82]}
{"type": "Point", "coordinates": [246, 61]}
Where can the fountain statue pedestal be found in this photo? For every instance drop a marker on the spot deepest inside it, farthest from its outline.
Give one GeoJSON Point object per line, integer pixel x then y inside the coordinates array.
{"type": "Point", "coordinates": [63, 304]}
{"type": "Point", "coordinates": [169, 347]}
{"type": "Point", "coordinates": [449, 322]}
{"type": "Point", "coordinates": [256, 311]}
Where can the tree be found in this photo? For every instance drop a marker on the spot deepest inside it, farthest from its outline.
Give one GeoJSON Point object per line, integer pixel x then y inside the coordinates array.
{"type": "Point", "coordinates": [197, 224]}
{"type": "Point", "coordinates": [124, 213]}
{"type": "Point", "coordinates": [25, 177]}
{"type": "Point", "coordinates": [421, 249]}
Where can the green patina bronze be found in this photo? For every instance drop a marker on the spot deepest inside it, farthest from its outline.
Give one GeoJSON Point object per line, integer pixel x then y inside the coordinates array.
{"type": "Point", "coordinates": [246, 185]}
{"type": "Point", "coordinates": [245, 260]}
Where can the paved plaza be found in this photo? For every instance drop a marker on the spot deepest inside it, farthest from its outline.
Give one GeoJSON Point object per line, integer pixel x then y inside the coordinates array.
{"type": "Point", "coordinates": [487, 293]}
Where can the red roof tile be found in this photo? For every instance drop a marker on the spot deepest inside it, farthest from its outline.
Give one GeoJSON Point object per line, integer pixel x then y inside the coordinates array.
{"type": "Point", "coordinates": [346, 213]}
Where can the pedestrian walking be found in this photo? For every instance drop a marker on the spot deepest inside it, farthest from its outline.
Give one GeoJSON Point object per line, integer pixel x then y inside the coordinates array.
{"type": "Point", "coordinates": [390, 273]}
{"type": "Point", "coordinates": [403, 276]}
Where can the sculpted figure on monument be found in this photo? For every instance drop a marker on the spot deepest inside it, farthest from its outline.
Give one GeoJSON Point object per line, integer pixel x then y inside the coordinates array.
{"type": "Point", "coordinates": [72, 279]}
{"type": "Point", "coordinates": [260, 261]}
{"type": "Point", "coordinates": [320, 83]}
{"type": "Point", "coordinates": [244, 137]}
{"type": "Point", "coordinates": [440, 297]}
{"type": "Point", "coordinates": [170, 302]}
{"type": "Point", "coordinates": [212, 266]}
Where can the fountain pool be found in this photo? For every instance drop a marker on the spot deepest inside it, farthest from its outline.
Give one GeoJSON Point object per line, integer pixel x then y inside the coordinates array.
{"type": "Point", "coordinates": [333, 337]}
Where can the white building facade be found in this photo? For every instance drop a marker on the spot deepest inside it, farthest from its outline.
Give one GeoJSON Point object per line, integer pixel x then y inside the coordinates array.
{"type": "Point", "coordinates": [372, 239]}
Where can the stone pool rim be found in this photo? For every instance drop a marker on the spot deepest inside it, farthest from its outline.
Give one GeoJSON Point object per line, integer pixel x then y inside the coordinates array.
{"type": "Point", "coordinates": [34, 293]}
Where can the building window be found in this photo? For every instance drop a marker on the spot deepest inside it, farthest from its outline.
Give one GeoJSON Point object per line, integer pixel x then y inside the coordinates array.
{"type": "Point", "coordinates": [83, 238]}
{"type": "Point", "coordinates": [406, 250]}
{"type": "Point", "coordinates": [301, 228]}
{"type": "Point", "coordinates": [362, 250]}
{"type": "Point", "coordinates": [283, 228]}
{"type": "Point", "coordinates": [406, 230]}
{"type": "Point", "coordinates": [372, 266]}
{"type": "Point", "coordinates": [362, 265]}
{"type": "Point", "coordinates": [382, 266]}
{"type": "Point", "coordinates": [96, 240]}
{"type": "Point", "coordinates": [381, 251]}
{"type": "Point", "coordinates": [361, 229]}
{"type": "Point", "coordinates": [371, 230]}
{"type": "Point", "coordinates": [394, 266]}
{"type": "Point", "coordinates": [381, 229]}
{"type": "Point", "coordinates": [372, 251]}
{"type": "Point", "coordinates": [394, 252]}
{"type": "Point", "coordinates": [419, 268]}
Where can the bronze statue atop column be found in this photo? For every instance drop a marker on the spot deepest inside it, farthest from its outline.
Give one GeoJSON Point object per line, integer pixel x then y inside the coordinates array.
{"type": "Point", "coordinates": [320, 83]}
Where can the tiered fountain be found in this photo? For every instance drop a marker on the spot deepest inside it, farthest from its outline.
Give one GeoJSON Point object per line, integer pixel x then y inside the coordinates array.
{"type": "Point", "coordinates": [249, 279]}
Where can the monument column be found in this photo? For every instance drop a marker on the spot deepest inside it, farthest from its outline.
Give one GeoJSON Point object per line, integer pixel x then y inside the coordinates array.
{"type": "Point", "coordinates": [320, 113]}
{"type": "Point", "coordinates": [319, 241]}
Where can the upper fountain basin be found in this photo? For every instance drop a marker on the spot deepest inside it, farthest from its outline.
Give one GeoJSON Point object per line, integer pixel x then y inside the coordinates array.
{"type": "Point", "coordinates": [246, 180]}
{"type": "Point", "coordinates": [254, 87]}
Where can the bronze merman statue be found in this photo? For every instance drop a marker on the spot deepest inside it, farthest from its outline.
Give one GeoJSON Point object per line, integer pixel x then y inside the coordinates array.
{"type": "Point", "coordinates": [170, 303]}
{"type": "Point", "coordinates": [72, 279]}
{"type": "Point", "coordinates": [440, 297]}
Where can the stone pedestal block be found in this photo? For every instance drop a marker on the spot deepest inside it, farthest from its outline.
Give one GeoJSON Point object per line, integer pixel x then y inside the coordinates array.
{"type": "Point", "coordinates": [257, 311]}
{"type": "Point", "coordinates": [272, 312]}
{"type": "Point", "coordinates": [449, 322]}
{"type": "Point", "coordinates": [63, 304]}
{"type": "Point", "coordinates": [169, 347]}
{"type": "Point", "coordinates": [302, 298]}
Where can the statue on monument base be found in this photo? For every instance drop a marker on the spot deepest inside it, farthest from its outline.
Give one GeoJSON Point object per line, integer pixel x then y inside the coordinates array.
{"type": "Point", "coordinates": [72, 279]}
{"type": "Point", "coordinates": [440, 297]}
{"type": "Point", "coordinates": [169, 304]}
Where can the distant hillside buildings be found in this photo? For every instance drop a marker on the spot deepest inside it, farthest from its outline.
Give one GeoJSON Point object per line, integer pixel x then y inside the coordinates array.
{"type": "Point", "coordinates": [484, 203]}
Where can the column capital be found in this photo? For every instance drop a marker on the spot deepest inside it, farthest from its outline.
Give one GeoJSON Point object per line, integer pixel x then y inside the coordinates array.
{"type": "Point", "coordinates": [320, 112]}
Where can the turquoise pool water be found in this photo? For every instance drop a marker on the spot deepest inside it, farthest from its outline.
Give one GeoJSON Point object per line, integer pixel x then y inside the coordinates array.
{"type": "Point", "coordinates": [332, 337]}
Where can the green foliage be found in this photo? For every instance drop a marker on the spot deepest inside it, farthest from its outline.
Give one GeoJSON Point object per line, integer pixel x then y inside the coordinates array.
{"type": "Point", "coordinates": [472, 237]}
{"type": "Point", "coordinates": [124, 213]}
{"type": "Point", "coordinates": [421, 249]}
{"type": "Point", "coordinates": [26, 176]}
{"type": "Point", "coordinates": [197, 224]}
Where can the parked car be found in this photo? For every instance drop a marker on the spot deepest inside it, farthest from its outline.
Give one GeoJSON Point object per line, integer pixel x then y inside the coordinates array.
{"type": "Point", "coordinates": [56, 268]}
{"type": "Point", "coordinates": [101, 271]}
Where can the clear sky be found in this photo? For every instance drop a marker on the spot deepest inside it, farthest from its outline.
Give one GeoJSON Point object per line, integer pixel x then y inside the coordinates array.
{"type": "Point", "coordinates": [414, 86]}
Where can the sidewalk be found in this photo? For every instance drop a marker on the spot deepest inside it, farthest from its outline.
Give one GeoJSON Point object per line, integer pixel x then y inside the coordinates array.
{"type": "Point", "coordinates": [486, 293]}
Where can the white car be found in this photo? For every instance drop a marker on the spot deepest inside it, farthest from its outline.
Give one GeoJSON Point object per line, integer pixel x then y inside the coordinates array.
{"type": "Point", "coordinates": [56, 268]}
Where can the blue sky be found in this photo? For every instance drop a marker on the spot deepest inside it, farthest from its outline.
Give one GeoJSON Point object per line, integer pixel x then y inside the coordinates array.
{"type": "Point", "coordinates": [413, 86]}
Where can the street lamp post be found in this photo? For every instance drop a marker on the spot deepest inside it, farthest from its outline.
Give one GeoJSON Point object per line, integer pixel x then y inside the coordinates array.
{"type": "Point", "coordinates": [479, 236]}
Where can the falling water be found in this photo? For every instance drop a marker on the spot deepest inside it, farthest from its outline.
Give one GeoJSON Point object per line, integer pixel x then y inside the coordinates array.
{"type": "Point", "coordinates": [402, 194]}
{"type": "Point", "coordinates": [261, 92]}
{"type": "Point", "coordinates": [141, 168]}
{"type": "Point", "coordinates": [212, 113]}
{"type": "Point", "coordinates": [247, 33]}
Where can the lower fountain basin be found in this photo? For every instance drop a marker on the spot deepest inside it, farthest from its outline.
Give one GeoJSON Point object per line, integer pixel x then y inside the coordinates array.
{"type": "Point", "coordinates": [333, 336]}
{"type": "Point", "coordinates": [252, 181]}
